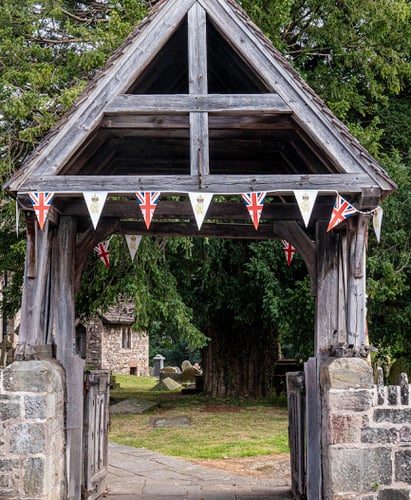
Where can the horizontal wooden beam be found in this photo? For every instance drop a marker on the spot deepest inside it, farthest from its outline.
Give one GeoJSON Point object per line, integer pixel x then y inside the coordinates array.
{"type": "Point", "coordinates": [232, 231]}
{"type": "Point", "coordinates": [161, 122]}
{"type": "Point", "coordinates": [186, 103]}
{"type": "Point", "coordinates": [218, 184]}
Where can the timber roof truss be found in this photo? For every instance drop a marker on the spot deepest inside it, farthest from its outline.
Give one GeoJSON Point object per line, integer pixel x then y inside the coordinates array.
{"type": "Point", "coordinates": [198, 100]}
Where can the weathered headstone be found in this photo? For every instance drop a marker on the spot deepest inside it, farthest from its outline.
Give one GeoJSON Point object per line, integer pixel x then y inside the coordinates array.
{"type": "Point", "coordinates": [185, 364]}
{"type": "Point", "coordinates": [190, 374]}
{"type": "Point", "coordinates": [158, 364]}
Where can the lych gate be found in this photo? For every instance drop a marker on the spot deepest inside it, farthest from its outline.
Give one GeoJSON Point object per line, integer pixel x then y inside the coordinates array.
{"type": "Point", "coordinates": [196, 100]}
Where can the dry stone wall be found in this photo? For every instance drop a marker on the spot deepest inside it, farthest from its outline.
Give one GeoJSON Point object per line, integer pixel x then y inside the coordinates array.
{"type": "Point", "coordinates": [32, 431]}
{"type": "Point", "coordinates": [366, 434]}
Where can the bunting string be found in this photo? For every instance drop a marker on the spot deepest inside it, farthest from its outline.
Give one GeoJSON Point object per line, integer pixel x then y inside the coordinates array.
{"type": "Point", "coordinates": [254, 202]}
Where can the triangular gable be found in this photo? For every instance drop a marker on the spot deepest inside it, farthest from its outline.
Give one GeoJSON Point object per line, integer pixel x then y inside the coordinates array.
{"type": "Point", "coordinates": [131, 60]}
{"type": "Point", "coordinates": [313, 115]}
{"type": "Point", "coordinates": [118, 75]}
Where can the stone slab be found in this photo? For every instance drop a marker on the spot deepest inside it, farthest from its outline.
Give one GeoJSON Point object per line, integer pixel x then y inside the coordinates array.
{"type": "Point", "coordinates": [349, 474]}
{"type": "Point", "coordinates": [403, 466]}
{"type": "Point", "coordinates": [167, 384]}
{"type": "Point", "coordinates": [346, 373]}
{"type": "Point", "coordinates": [393, 494]}
{"type": "Point", "coordinates": [164, 422]}
{"type": "Point", "coordinates": [132, 406]}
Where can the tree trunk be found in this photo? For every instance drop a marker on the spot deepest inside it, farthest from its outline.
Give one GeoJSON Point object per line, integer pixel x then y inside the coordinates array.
{"type": "Point", "coordinates": [239, 360]}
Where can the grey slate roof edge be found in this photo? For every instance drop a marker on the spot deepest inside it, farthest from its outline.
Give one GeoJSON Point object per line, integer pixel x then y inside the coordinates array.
{"type": "Point", "coordinates": [113, 317]}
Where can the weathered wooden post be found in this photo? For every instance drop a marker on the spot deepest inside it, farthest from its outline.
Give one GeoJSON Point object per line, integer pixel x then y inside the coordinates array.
{"type": "Point", "coordinates": [63, 283]}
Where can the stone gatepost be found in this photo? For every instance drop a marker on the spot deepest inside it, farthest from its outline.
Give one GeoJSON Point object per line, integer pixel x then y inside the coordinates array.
{"type": "Point", "coordinates": [32, 431]}
{"type": "Point", "coordinates": [365, 455]}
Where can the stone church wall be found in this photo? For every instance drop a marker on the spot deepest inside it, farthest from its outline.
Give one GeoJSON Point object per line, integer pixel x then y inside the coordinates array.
{"type": "Point", "coordinates": [118, 348]}
{"type": "Point", "coordinates": [32, 431]}
{"type": "Point", "coordinates": [119, 359]}
{"type": "Point", "coordinates": [366, 434]}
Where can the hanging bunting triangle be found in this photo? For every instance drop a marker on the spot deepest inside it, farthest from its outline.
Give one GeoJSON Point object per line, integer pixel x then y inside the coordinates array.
{"type": "Point", "coordinates": [147, 201]}
{"type": "Point", "coordinates": [133, 242]}
{"type": "Point", "coordinates": [41, 202]}
{"type": "Point", "coordinates": [95, 203]}
{"type": "Point", "coordinates": [254, 203]}
{"type": "Point", "coordinates": [200, 203]}
{"type": "Point", "coordinates": [341, 211]}
{"type": "Point", "coordinates": [305, 200]}
{"type": "Point", "coordinates": [289, 251]}
{"type": "Point", "coordinates": [103, 252]}
{"type": "Point", "coordinates": [377, 221]}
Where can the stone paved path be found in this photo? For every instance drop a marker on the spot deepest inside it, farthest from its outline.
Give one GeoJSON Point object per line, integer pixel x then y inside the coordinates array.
{"type": "Point", "coordinates": [135, 473]}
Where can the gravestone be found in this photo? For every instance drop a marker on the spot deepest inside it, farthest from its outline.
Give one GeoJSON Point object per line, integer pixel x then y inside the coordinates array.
{"type": "Point", "coordinates": [164, 422]}
{"type": "Point", "coordinates": [185, 364]}
{"type": "Point", "coordinates": [190, 374]}
{"type": "Point", "coordinates": [158, 364]}
{"type": "Point", "coordinates": [132, 406]}
{"type": "Point", "coordinates": [167, 384]}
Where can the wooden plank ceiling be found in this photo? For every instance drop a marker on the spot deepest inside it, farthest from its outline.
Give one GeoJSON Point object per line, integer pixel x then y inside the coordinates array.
{"type": "Point", "coordinates": [197, 118]}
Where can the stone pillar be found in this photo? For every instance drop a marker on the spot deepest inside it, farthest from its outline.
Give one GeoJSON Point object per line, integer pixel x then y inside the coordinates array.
{"type": "Point", "coordinates": [32, 431]}
{"type": "Point", "coordinates": [358, 450]}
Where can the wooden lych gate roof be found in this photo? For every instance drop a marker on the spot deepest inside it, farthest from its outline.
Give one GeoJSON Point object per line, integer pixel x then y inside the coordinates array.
{"type": "Point", "coordinates": [197, 99]}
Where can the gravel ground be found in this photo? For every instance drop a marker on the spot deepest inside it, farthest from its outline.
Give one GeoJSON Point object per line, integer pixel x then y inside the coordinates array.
{"type": "Point", "coordinates": [267, 466]}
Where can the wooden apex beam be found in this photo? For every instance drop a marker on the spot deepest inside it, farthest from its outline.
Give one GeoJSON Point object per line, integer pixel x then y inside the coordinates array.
{"type": "Point", "coordinates": [217, 184]}
{"type": "Point", "coordinates": [186, 103]}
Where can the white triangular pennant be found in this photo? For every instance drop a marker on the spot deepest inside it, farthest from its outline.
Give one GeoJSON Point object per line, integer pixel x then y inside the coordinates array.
{"type": "Point", "coordinates": [133, 241]}
{"type": "Point", "coordinates": [305, 200]}
{"type": "Point", "coordinates": [95, 204]}
{"type": "Point", "coordinates": [200, 203]}
{"type": "Point", "coordinates": [377, 221]}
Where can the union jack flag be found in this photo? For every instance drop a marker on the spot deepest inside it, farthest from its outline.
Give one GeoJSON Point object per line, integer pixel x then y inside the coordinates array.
{"type": "Point", "coordinates": [103, 252]}
{"type": "Point", "coordinates": [341, 211]}
{"type": "Point", "coordinates": [41, 203]}
{"type": "Point", "coordinates": [289, 251]}
{"type": "Point", "coordinates": [254, 203]}
{"type": "Point", "coordinates": [148, 202]}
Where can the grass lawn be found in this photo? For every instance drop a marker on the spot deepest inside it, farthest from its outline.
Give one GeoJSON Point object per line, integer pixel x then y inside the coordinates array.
{"type": "Point", "coordinates": [219, 428]}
